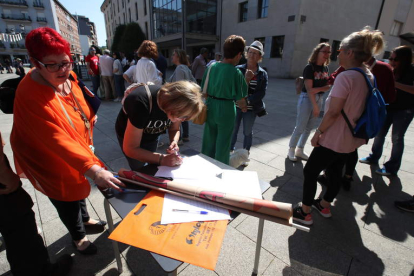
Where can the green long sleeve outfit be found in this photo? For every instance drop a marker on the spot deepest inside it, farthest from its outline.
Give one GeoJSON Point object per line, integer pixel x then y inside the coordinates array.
{"type": "Point", "coordinates": [226, 84]}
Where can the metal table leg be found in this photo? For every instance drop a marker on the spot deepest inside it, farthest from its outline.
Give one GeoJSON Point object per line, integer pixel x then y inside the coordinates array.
{"type": "Point", "coordinates": [111, 228]}
{"type": "Point", "coordinates": [258, 247]}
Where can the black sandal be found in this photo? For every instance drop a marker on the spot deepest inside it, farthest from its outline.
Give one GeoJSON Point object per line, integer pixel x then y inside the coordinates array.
{"type": "Point", "coordinates": [90, 250]}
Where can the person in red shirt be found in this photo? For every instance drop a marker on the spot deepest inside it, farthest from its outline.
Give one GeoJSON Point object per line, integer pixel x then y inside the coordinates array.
{"type": "Point", "coordinates": [92, 63]}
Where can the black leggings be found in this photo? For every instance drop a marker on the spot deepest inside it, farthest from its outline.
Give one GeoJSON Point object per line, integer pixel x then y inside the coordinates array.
{"type": "Point", "coordinates": [323, 158]}
{"type": "Point", "coordinates": [351, 162]}
{"type": "Point", "coordinates": [73, 214]}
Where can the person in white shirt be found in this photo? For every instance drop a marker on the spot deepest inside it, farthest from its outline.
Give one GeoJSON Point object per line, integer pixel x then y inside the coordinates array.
{"type": "Point", "coordinates": [107, 75]}
{"type": "Point", "coordinates": [129, 75]}
{"type": "Point", "coordinates": [146, 71]}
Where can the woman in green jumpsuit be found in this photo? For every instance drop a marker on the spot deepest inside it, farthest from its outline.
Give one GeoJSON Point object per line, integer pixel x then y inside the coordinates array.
{"type": "Point", "coordinates": [226, 85]}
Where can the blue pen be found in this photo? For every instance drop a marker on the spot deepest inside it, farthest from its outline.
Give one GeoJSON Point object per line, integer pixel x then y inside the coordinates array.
{"type": "Point", "coordinates": [191, 211]}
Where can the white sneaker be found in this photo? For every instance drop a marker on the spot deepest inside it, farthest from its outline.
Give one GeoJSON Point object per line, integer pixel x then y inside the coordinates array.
{"type": "Point", "coordinates": [301, 154]}
{"type": "Point", "coordinates": [291, 155]}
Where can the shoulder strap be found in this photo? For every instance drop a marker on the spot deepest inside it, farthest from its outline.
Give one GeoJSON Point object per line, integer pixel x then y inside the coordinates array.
{"type": "Point", "coordinates": [149, 97]}
{"type": "Point", "coordinates": [206, 81]}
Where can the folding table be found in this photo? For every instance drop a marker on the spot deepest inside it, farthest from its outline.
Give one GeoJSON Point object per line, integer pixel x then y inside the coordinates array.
{"type": "Point", "coordinates": [123, 203]}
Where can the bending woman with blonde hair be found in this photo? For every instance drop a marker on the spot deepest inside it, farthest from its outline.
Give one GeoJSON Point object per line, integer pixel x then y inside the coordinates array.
{"type": "Point", "coordinates": [316, 76]}
{"type": "Point", "coordinates": [333, 140]}
{"type": "Point", "coordinates": [147, 114]}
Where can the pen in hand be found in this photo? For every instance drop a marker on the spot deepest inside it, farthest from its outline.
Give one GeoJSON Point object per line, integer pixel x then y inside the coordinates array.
{"type": "Point", "coordinates": [191, 211]}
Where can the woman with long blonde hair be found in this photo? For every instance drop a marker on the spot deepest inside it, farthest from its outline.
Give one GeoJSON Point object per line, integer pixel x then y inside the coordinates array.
{"type": "Point", "coordinates": [315, 75]}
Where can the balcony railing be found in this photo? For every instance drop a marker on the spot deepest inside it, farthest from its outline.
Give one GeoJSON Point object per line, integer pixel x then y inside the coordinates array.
{"type": "Point", "coordinates": [14, 45]}
{"type": "Point", "coordinates": [41, 19]}
{"type": "Point", "coordinates": [16, 17]}
{"type": "Point", "coordinates": [14, 3]}
{"type": "Point", "coordinates": [38, 4]}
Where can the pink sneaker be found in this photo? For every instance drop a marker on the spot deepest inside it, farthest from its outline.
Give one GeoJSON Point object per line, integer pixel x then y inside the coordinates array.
{"type": "Point", "coordinates": [325, 212]}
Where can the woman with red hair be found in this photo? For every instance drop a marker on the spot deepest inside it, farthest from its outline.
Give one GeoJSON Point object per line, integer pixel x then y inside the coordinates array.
{"type": "Point", "coordinates": [52, 135]}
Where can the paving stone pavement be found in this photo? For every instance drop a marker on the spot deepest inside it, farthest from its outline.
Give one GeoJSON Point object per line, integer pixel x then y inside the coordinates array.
{"type": "Point", "coordinates": [366, 235]}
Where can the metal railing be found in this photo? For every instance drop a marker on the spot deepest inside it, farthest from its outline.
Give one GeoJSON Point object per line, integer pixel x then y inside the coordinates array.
{"type": "Point", "coordinates": [15, 2]}
{"type": "Point", "coordinates": [38, 4]}
{"type": "Point", "coordinates": [16, 17]}
{"type": "Point", "coordinates": [41, 19]}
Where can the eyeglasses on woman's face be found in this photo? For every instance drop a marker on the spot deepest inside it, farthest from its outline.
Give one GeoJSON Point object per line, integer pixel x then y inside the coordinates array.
{"type": "Point", "coordinates": [55, 67]}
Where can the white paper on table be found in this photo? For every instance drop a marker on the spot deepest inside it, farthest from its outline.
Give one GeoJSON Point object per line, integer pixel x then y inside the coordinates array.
{"type": "Point", "coordinates": [243, 183]}
{"type": "Point", "coordinates": [176, 202]}
{"type": "Point", "coordinates": [194, 167]}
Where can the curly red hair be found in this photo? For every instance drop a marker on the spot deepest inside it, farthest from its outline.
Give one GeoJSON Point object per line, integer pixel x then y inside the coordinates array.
{"type": "Point", "coordinates": [148, 49]}
{"type": "Point", "coordinates": [45, 41]}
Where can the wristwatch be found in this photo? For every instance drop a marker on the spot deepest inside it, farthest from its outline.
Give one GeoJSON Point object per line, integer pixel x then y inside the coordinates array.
{"type": "Point", "coordinates": [318, 131]}
{"type": "Point", "coordinates": [247, 101]}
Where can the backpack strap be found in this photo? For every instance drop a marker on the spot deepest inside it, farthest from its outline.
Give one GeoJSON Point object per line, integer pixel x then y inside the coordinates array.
{"type": "Point", "coordinates": [370, 88]}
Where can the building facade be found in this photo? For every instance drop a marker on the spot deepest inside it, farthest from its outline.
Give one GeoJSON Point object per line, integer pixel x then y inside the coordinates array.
{"type": "Point", "coordinates": [117, 12]}
{"type": "Point", "coordinates": [289, 30]}
{"type": "Point", "coordinates": [87, 33]}
{"type": "Point", "coordinates": [68, 28]}
{"type": "Point", "coordinates": [19, 17]}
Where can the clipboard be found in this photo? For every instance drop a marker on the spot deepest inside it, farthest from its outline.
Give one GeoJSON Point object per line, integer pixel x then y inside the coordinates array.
{"type": "Point", "coordinates": [197, 243]}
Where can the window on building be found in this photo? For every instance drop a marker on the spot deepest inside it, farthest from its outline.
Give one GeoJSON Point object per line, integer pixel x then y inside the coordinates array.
{"type": "Point", "coordinates": [262, 40]}
{"type": "Point", "coordinates": [277, 46]}
{"type": "Point", "coordinates": [136, 11]}
{"type": "Point", "coordinates": [145, 8]}
{"type": "Point", "coordinates": [146, 30]}
{"type": "Point", "coordinates": [396, 28]}
{"type": "Point", "coordinates": [334, 48]}
{"type": "Point", "coordinates": [243, 12]}
{"type": "Point", "coordinates": [124, 18]}
{"type": "Point", "coordinates": [322, 40]}
{"type": "Point", "coordinates": [118, 4]}
{"type": "Point", "coordinates": [129, 14]}
{"type": "Point", "coordinates": [262, 8]}
{"type": "Point", "coordinates": [123, 3]}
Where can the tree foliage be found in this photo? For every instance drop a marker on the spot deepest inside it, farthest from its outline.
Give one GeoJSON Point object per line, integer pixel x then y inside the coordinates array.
{"type": "Point", "coordinates": [119, 32]}
{"type": "Point", "coordinates": [132, 38]}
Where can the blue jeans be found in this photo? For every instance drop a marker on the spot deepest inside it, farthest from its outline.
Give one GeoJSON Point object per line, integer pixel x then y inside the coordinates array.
{"type": "Point", "coordinates": [96, 81]}
{"type": "Point", "coordinates": [305, 121]}
{"type": "Point", "coordinates": [248, 121]}
{"type": "Point", "coordinates": [400, 121]}
{"type": "Point", "coordinates": [119, 85]}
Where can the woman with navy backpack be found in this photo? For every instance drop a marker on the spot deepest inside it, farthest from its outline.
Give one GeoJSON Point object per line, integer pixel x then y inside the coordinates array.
{"type": "Point", "coordinates": [333, 140]}
{"type": "Point", "coordinates": [400, 113]}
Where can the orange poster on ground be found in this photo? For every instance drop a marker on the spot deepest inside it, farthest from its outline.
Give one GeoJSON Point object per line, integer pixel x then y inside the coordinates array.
{"type": "Point", "coordinates": [197, 243]}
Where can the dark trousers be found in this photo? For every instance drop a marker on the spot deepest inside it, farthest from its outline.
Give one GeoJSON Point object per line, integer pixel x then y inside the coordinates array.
{"type": "Point", "coordinates": [73, 214]}
{"type": "Point", "coordinates": [351, 161]}
{"type": "Point", "coordinates": [186, 127]}
{"type": "Point", "coordinates": [400, 121]}
{"type": "Point", "coordinates": [96, 81]}
{"type": "Point", "coordinates": [323, 158]}
{"type": "Point", "coordinates": [25, 249]}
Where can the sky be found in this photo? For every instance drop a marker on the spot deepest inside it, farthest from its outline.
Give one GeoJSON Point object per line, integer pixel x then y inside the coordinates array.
{"type": "Point", "coordinates": [92, 10]}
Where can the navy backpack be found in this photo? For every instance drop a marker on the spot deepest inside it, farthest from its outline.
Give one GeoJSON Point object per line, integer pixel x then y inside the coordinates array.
{"type": "Point", "coordinates": [373, 117]}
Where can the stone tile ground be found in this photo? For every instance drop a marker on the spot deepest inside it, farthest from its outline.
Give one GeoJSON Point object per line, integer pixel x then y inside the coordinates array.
{"type": "Point", "coordinates": [367, 235]}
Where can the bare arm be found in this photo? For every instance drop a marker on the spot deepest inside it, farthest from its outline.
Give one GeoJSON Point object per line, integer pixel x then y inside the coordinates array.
{"type": "Point", "coordinates": [312, 98]}
{"type": "Point", "coordinates": [405, 87]}
{"type": "Point", "coordinates": [335, 107]}
{"type": "Point", "coordinates": [9, 180]}
{"type": "Point", "coordinates": [132, 148]}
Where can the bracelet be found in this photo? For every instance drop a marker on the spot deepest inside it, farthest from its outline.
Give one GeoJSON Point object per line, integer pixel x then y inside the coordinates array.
{"type": "Point", "coordinates": [96, 173]}
{"type": "Point", "coordinates": [319, 131]}
{"type": "Point", "coordinates": [160, 160]}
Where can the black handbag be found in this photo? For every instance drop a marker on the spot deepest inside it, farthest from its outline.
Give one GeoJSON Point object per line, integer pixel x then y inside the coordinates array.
{"type": "Point", "coordinates": [92, 99]}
